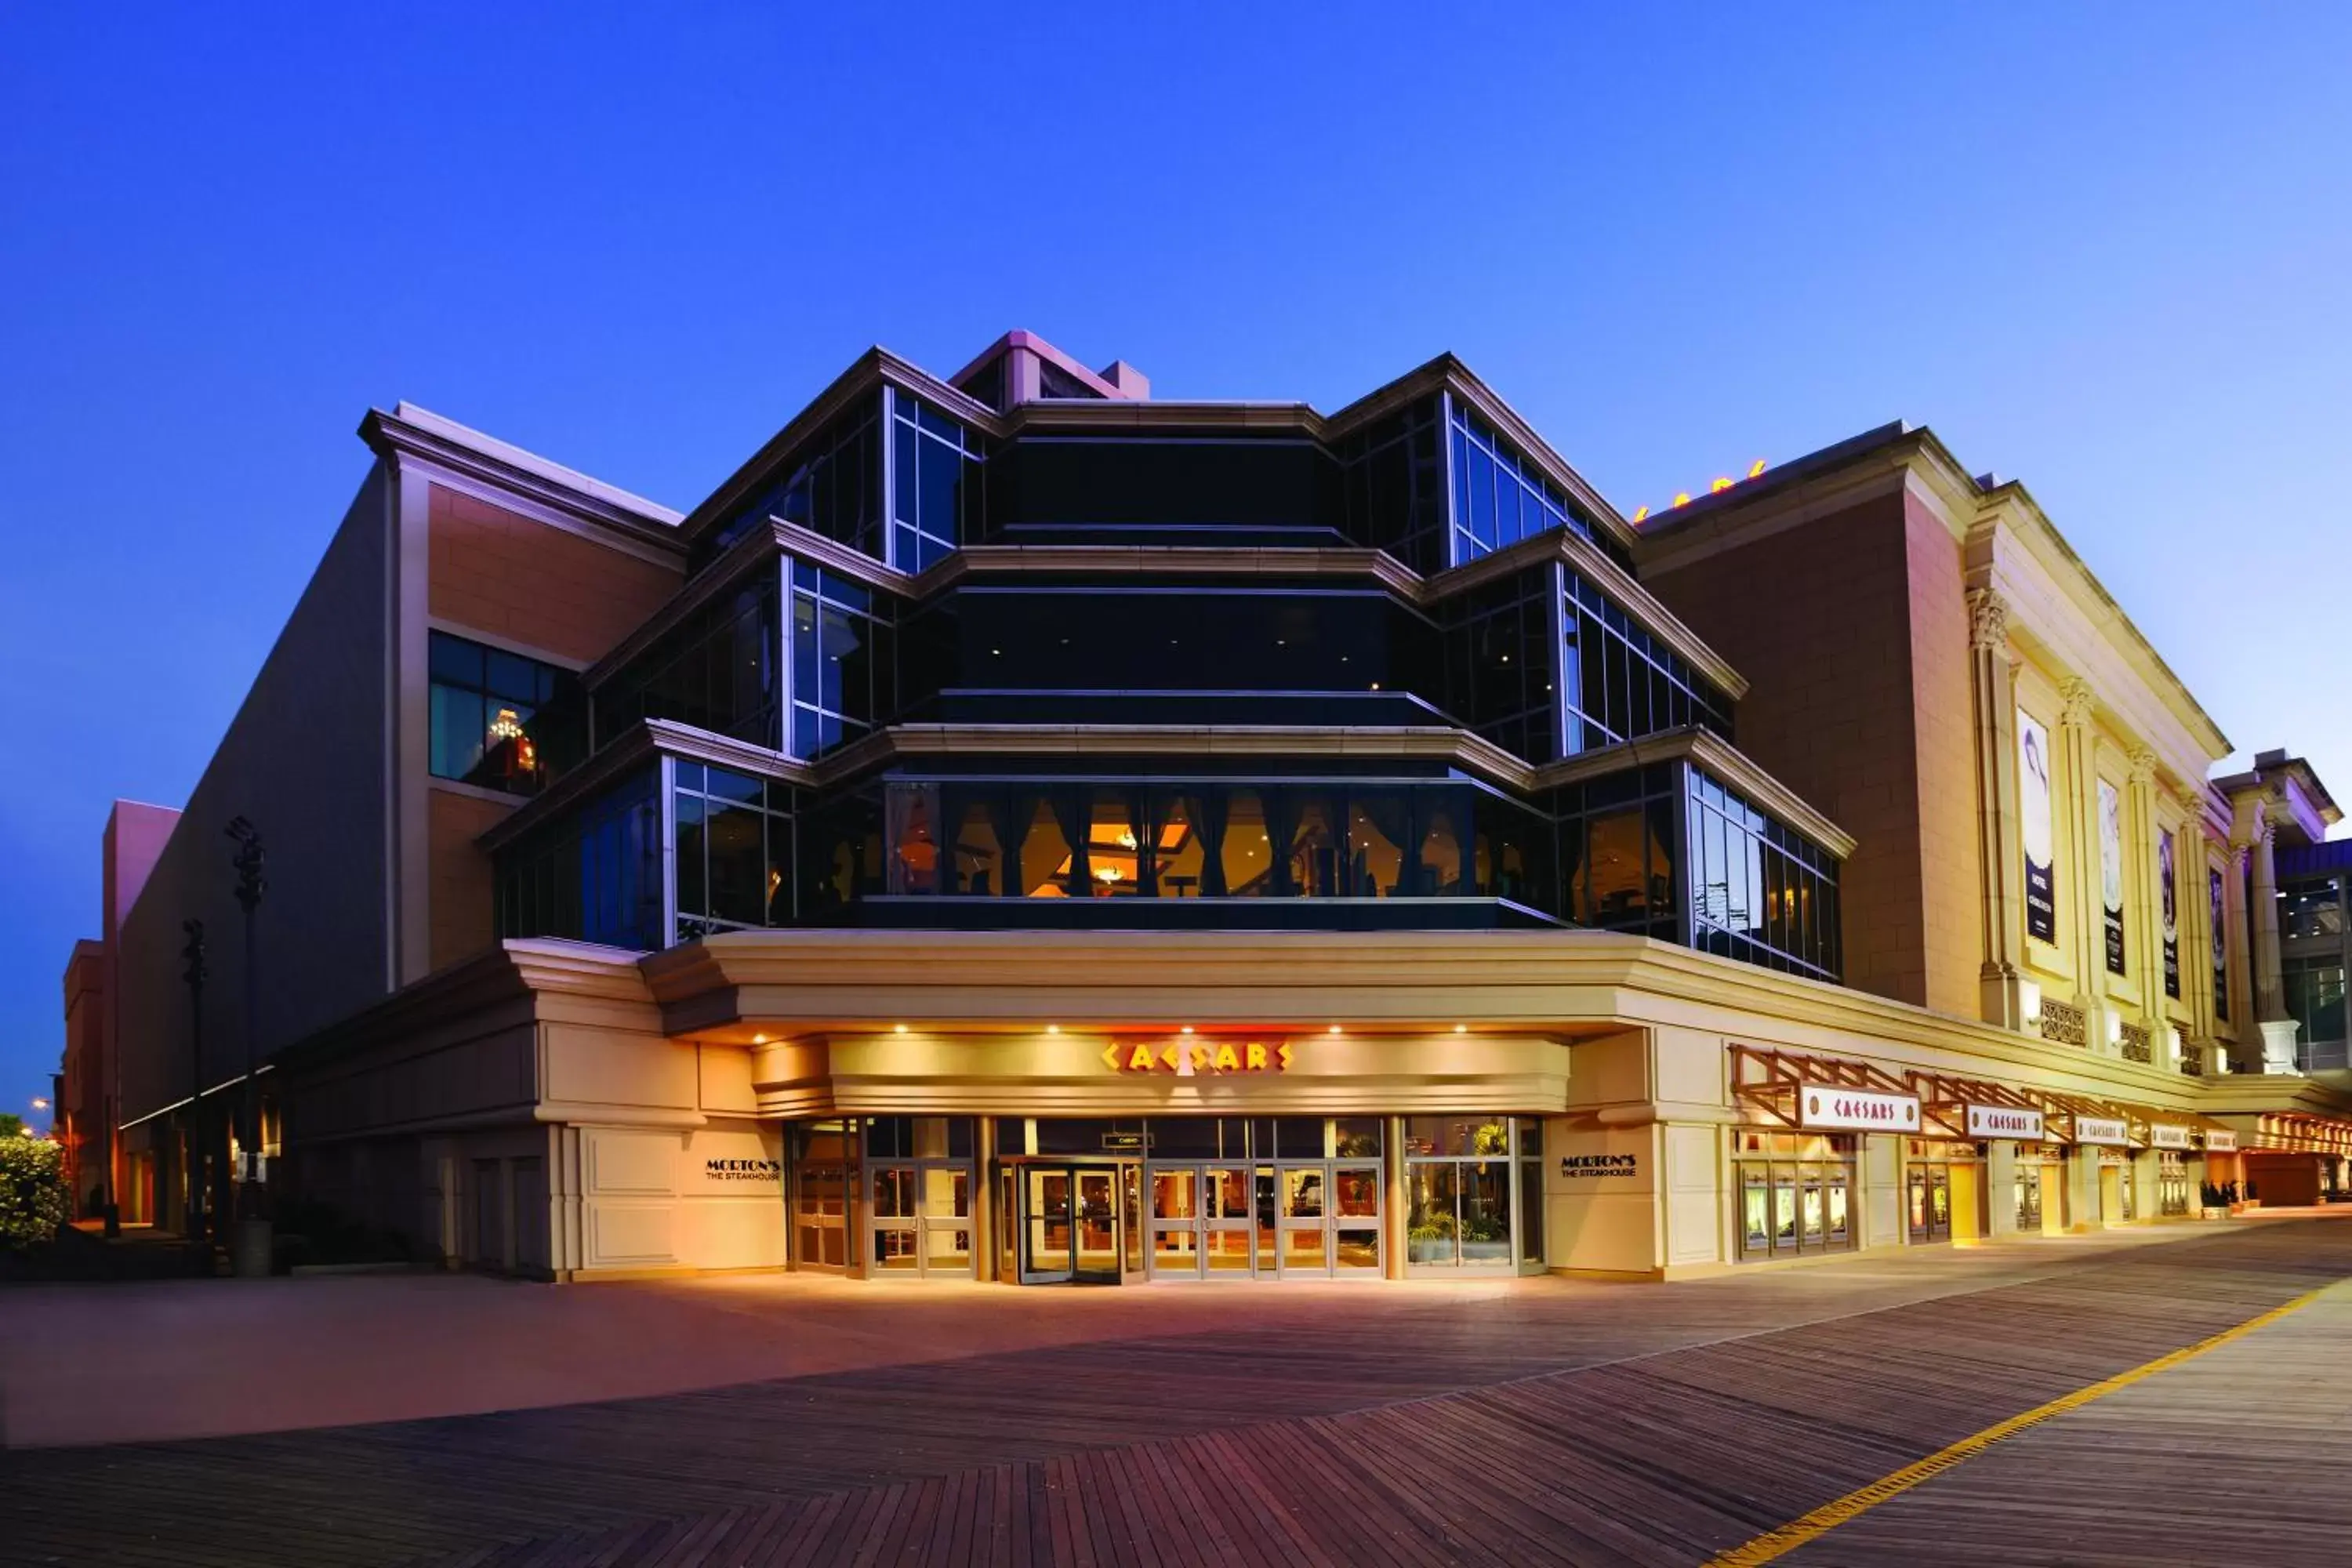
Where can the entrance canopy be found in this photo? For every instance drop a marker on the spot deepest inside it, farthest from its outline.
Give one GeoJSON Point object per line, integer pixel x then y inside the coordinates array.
{"type": "Point", "coordinates": [1974, 1108]}
{"type": "Point", "coordinates": [2079, 1119]}
{"type": "Point", "coordinates": [1822, 1094]}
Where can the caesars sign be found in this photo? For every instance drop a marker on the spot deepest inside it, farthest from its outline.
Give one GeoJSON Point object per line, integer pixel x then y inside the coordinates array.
{"type": "Point", "coordinates": [2162, 1136]}
{"type": "Point", "coordinates": [2034, 809]}
{"type": "Point", "coordinates": [1196, 1059]}
{"type": "Point", "coordinates": [2220, 1141]}
{"type": "Point", "coordinates": [1828, 1107]}
{"type": "Point", "coordinates": [2004, 1121]}
{"type": "Point", "coordinates": [2104, 1130]}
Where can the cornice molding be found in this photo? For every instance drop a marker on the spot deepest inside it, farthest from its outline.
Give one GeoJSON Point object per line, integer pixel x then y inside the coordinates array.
{"type": "Point", "coordinates": [417, 436]}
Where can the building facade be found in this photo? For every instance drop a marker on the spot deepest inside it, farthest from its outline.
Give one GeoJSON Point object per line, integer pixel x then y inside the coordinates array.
{"type": "Point", "coordinates": [1018, 828]}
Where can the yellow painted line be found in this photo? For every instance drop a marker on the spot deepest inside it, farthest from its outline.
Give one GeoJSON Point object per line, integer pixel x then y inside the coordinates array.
{"type": "Point", "coordinates": [1829, 1516]}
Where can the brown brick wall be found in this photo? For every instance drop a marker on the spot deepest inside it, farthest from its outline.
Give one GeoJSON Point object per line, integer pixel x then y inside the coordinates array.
{"type": "Point", "coordinates": [507, 577]}
{"type": "Point", "coordinates": [1817, 617]}
{"type": "Point", "coordinates": [1943, 724]}
{"type": "Point", "coordinates": [462, 915]}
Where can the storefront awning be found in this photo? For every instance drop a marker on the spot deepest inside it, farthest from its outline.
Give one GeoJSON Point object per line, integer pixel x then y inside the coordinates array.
{"type": "Point", "coordinates": [2294, 1132]}
{"type": "Point", "coordinates": [2079, 1119]}
{"type": "Point", "coordinates": [1822, 1094]}
{"type": "Point", "coordinates": [1974, 1108]}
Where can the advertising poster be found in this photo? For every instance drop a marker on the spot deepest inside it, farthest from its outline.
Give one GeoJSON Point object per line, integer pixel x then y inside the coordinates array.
{"type": "Point", "coordinates": [2111, 871]}
{"type": "Point", "coordinates": [2220, 945]}
{"type": "Point", "coordinates": [2172, 914]}
{"type": "Point", "coordinates": [2034, 808]}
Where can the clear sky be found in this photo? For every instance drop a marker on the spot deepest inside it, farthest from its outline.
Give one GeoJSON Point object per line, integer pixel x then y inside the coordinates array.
{"type": "Point", "coordinates": [2103, 249]}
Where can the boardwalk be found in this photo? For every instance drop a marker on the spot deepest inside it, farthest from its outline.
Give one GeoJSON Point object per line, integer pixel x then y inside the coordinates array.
{"type": "Point", "coordinates": [1543, 1423]}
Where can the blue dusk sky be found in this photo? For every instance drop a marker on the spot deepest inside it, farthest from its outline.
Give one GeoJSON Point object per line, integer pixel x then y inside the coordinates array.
{"type": "Point", "coordinates": [2102, 249]}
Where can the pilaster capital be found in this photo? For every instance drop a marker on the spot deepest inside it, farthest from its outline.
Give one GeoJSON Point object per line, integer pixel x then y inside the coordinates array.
{"type": "Point", "coordinates": [1988, 621]}
{"type": "Point", "coordinates": [2143, 765]}
{"type": "Point", "coordinates": [2076, 691]}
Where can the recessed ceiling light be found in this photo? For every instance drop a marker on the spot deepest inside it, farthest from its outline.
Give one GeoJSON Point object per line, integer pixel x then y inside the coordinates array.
{"type": "Point", "coordinates": [898, 1028]}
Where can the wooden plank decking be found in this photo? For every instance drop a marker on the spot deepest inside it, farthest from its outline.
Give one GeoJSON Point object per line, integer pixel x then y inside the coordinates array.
{"type": "Point", "coordinates": [1643, 1424]}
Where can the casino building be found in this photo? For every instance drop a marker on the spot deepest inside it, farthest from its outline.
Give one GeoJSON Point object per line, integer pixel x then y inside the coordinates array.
{"type": "Point", "coordinates": [1019, 827]}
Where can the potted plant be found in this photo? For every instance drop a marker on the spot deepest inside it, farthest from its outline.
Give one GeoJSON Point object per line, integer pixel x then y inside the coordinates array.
{"type": "Point", "coordinates": [1430, 1239]}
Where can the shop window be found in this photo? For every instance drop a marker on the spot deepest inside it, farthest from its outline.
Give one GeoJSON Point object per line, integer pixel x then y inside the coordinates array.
{"type": "Point", "coordinates": [488, 724]}
{"type": "Point", "coordinates": [1795, 1192]}
{"type": "Point", "coordinates": [1467, 1193]}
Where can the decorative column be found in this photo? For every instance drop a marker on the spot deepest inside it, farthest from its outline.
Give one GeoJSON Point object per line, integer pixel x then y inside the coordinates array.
{"type": "Point", "coordinates": [2144, 896]}
{"type": "Point", "coordinates": [2080, 813]}
{"type": "Point", "coordinates": [984, 1217]}
{"type": "Point", "coordinates": [1993, 690]}
{"type": "Point", "coordinates": [2270, 986]}
{"type": "Point", "coordinates": [2237, 957]}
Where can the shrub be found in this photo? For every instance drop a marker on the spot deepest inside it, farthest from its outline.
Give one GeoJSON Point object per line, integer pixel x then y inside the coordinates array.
{"type": "Point", "coordinates": [33, 1197]}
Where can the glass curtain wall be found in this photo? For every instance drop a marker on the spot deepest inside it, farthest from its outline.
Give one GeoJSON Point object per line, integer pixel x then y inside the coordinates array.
{"type": "Point", "coordinates": [1618, 683]}
{"type": "Point", "coordinates": [1393, 481]}
{"type": "Point", "coordinates": [595, 876]}
{"type": "Point", "coordinates": [1212, 839]}
{"type": "Point", "coordinates": [831, 484]}
{"type": "Point", "coordinates": [843, 661]}
{"type": "Point", "coordinates": [733, 838]}
{"type": "Point", "coordinates": [1761, 892]}
{"type": "Point", "coordinates": [716, 671]}
{"type": "Point", "coordinates": [937, 496]}
{"type": "Point", "coordinates": [1500, 496]}
{"type": "Point", "coordinates": [1502, 642]}
{"type": "Point", "coordinates": [1621, 851]}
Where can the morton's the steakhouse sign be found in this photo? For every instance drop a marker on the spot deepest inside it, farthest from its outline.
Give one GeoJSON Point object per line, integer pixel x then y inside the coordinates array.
{"type": "Point", "coordinates": [2004, 1121]}
{"type": "Point", "coordinates": [1828, 1107]}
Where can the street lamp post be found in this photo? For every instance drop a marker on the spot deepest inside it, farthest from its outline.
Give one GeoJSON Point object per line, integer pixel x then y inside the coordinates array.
{"type": "Point", "coordinates": [193, 1165]}
{"type": "Point", "coordinates": [253, 1245]}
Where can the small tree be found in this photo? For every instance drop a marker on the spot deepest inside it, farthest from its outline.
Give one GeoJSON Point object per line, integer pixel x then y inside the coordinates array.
{"type": "Point", "coordinates": [33, 1197]}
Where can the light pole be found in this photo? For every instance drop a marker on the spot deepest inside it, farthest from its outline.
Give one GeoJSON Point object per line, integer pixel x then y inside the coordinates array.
{"type": "Point", "coordinates": [252, 1247]}
{"type": "Point", "coordinates": [193, 1165]}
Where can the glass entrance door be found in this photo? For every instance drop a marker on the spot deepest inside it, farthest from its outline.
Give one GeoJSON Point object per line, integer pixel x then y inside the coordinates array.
{"type": "Point", "coordinates": [1071, 1224]}
{"type": "Point", "coordinates": [1048, 1252]}
{"type": "Point", "coordinates": [1098, 1225]}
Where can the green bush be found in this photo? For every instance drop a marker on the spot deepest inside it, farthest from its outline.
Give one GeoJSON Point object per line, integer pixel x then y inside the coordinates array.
{"type": "Point", "coordinates": [33, 1197]}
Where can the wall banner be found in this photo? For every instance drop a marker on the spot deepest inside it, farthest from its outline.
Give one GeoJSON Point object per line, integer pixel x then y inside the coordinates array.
{"type": "Point", "coordinates": [2111, 871]}
{"type": "Point", "coordinates": [2035, 829]}
{"type": "Point", "coordinates": [2221, 930]}
{"type": "Point", "coordinates": [2167, 891]}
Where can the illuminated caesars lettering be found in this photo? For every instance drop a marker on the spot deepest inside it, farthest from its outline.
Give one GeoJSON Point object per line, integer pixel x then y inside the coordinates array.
{"type": "Point", "coordinates": [1722, 482]}
{"type": "Point", "coordinates": [2218, 1142]}
{"type": "Point", "coordinates": [1186, 1058]}
{"type": "Point", "coordinates": [2163, 1136]}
